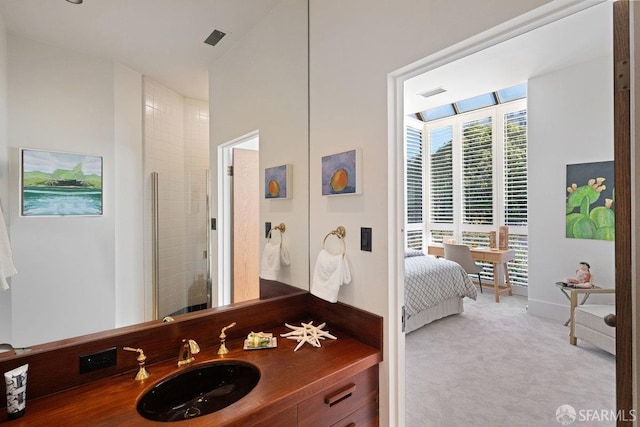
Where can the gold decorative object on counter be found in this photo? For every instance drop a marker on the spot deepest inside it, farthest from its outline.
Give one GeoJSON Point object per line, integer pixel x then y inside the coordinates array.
{"type": "Point", "coordinates": [188, 349]}
{"type": "Point", "coordinates": [223, 337]}
{"type": "Point", "coordinates": [142, 374]}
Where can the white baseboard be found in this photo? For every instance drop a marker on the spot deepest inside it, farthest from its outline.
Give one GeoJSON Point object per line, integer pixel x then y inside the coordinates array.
{"type": "Point", "coordinates": [548, 310]}
{"type": "Point", "coordinates": [523, 291]}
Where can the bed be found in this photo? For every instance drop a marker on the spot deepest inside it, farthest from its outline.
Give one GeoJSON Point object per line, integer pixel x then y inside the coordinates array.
{"type": "Point", "coordinates": [433, 289]}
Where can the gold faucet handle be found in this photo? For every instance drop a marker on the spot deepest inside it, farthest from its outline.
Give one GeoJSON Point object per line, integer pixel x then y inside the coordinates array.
{"type": "Point", "coordinates": [142, 374]}
{"type": "Point", "coordinates": [194, 347]}
{"type": "Point", "coordinates": [222, 334]}
{"type": "Point", "coordinates": [223, 337]}
{"type": "Point", "coordinates": [188, 349]}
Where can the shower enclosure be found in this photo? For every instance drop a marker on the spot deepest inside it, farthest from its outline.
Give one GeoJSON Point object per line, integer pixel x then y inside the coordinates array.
{"type": "Point", "coordinates": [176, 156]}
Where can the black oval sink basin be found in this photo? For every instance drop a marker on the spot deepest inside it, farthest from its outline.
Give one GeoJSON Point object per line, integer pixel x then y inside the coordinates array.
{"type": "Point", "coordinates": [198, 391]}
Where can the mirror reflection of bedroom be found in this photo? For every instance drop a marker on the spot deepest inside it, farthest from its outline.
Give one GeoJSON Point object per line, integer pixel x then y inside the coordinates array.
{"type": "Point", "coordinates": [509, 154]}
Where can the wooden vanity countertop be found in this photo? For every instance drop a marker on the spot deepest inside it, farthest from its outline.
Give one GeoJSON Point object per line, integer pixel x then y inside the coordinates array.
{"type": "Point", "coordinates": [287, 378]}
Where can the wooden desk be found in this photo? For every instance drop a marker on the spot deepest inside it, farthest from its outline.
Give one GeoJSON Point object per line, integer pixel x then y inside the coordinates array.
{"type": "Point", "coordinates": [495, 257]}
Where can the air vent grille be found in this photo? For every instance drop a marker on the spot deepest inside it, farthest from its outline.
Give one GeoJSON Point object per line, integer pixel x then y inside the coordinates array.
{"type": "Point", "coordinates": [215, 37]}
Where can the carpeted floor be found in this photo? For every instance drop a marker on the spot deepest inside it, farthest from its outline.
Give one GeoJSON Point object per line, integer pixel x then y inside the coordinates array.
{"type": "Point", "coordinates": [495, 365]}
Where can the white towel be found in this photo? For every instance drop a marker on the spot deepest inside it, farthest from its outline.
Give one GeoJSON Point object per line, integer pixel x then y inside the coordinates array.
{"type": "Point", "coordinates": [7, 268]}
{"type": "Point", "coordinates": [270, 261]}
{"type": "Point", "coordinates": [331, 272]}
{"type": "Point", "coordinates": [284, 254]}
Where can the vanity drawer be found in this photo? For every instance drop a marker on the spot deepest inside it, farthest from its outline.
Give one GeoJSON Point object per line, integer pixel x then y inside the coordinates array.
{"type": "Point", "coordinates": [367, 416]}
{"type": "Point", "coordinates": [340, 400]}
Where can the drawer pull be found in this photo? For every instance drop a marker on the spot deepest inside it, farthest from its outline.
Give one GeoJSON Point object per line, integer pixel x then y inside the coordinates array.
{"type": "Point", "coordinates": [340, 395]}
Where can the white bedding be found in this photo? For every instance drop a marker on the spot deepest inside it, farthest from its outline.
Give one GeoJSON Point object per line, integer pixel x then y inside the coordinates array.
{"type": "Point", "coordinates": [429, 281]}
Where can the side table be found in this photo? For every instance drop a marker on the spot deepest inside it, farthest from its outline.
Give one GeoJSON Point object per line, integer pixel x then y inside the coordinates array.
{"type": "Point", "coordinates": [568, 291]}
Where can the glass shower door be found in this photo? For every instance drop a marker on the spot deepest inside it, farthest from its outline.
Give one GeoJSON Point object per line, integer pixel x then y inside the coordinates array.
{"type": "Point", "coordinates": [180, 243]}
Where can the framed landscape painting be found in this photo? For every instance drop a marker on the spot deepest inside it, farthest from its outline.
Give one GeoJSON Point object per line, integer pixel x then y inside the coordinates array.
{"type": "Point", "coordinates": [60, 184]}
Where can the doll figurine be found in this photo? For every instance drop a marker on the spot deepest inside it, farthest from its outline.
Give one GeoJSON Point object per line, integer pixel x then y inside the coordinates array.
{"type": "Point", "coordinates": [583, 279]}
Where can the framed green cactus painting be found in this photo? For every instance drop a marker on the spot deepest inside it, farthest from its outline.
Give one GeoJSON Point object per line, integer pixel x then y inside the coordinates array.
{"type": "Point", "coordinates": [590, 201]}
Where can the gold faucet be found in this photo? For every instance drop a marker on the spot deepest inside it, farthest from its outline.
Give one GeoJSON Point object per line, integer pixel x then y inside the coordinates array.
{"type": "Point", "coordinates": [223, 338]}
{"type": "Point", "coordinates": [188, 349]}
{"type": "Point", "coordinates": [142, 374]}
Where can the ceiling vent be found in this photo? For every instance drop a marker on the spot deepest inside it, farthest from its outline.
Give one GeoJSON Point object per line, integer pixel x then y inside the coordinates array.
{"type": "Point", "coordinates": [214, 37]}
{"type": "Point", "coordinates": [433, 92]}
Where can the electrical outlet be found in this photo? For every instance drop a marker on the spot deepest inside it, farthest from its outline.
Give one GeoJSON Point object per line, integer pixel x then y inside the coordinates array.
{"type": "Point", "coordinates": [99, 360]}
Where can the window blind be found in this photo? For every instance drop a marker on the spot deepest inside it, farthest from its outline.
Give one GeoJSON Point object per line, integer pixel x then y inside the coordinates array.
{"type": "Point", "coordinates": [441, 175]}
{"type": "Point", "coordinates": [414, 239]}
{"type": "Point", "coordinates": [519, 267]}
{"type": "Point", "coordinates": [515, 168]}
{"type": "Point", "coordinates": [414, 175]}
{"type": "Point", "coordinates": [440, 236]}
{"type": "Point", "coordinates": [477, 172]}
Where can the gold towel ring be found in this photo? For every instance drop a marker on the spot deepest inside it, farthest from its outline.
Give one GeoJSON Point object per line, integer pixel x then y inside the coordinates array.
{"type": "Point", "coordinates": [339, 232]}
{"type": "Point", "coordinates": [281, 228]}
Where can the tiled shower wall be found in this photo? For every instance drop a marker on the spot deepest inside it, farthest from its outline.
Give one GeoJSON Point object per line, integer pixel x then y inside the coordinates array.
{"type": "Point", "coordinates": [176, 146]}
{"type": "Point", "coordinates": [196, 161]}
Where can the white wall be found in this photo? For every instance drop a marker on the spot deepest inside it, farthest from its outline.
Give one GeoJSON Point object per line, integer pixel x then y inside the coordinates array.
{"type": "Point", "coordinates": [129, 277]}
{"type": "Point", "coordinates": [261, 84]}
{"type": "Point", "coordinates": [67, 272]}
{"type": "Point", "coordinates": [570, 122]}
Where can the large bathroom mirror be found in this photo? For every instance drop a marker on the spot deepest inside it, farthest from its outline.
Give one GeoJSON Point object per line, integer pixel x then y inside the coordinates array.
{"type": "Point", "coordinates": [79, 274]}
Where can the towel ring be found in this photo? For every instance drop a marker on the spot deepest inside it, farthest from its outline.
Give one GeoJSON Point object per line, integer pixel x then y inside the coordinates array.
{"type": "Point", "coordinates": [281, 228]}
{"type": "Point", "coordinates": [339, 232]}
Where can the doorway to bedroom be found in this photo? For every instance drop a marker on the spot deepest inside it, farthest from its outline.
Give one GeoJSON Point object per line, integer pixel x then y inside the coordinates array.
{"type": "Point", "coordinates": [238, 265]}
{"type": "Point", "coordinates": [569, 120]}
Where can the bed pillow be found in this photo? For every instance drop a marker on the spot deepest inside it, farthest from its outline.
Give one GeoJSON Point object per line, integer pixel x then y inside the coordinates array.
{"type": "Point", "coordinates": [412, 252]}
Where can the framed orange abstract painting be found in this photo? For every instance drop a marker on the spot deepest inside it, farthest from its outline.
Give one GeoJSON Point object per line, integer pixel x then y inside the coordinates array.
{"type": "Point", "coordinates": [277, 182]}
{"type": "Point", "coordinates": [342, 173]}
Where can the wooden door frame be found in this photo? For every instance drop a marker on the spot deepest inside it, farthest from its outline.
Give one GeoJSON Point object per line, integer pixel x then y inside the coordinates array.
{"type": "Point", "coordinates": [623, 242]}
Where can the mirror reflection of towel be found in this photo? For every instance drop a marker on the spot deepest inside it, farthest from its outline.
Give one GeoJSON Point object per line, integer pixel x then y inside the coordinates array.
{"type": "Point", "coordinates": [270, 261]}
{"type": "Point", "coordinates": [273, 256]}
{"type": "Point", "coordinates": [7, 268]}
{"type": "Point", "coordinates": [331, 272]}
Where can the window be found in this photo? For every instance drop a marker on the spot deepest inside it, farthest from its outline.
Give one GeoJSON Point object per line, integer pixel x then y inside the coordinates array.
{"type": "Point", "coordinates": [414, 187]}
{"type": "Point", "coordinates": [466, 176]}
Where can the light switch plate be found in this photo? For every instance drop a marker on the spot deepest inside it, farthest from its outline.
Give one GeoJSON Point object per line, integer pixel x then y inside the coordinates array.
{"type": "Point", "coordinates": [365, 239]}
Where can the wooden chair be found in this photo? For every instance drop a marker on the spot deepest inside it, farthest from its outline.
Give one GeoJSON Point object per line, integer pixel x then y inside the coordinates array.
{"type": "Point", "coordinates": [462, 255]}
{"type": "Point", "coordinates": [592, 322]}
